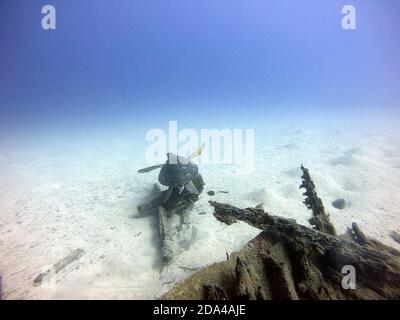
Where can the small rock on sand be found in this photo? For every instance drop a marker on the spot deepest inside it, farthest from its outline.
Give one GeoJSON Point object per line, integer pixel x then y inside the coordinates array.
{"type": "Point", "coordinates": [339, 204]}
{"type": "Point", "coordinates": [395, 236]}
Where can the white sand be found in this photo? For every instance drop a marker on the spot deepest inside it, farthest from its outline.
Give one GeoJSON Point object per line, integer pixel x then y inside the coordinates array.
{"type": "Point", "coordinates": [60, 194]}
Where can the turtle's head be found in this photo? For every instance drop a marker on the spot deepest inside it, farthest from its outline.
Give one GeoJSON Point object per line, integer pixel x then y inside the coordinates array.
{"type": "Point", "coordinates": [174, 159]}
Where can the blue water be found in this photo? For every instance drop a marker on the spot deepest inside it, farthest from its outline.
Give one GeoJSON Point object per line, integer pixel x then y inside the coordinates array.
{"type": "Point", "coordinates": [202, 63]}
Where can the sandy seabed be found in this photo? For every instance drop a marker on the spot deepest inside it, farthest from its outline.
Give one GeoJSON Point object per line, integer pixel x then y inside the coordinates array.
{"type": "Point", "coordinates": [61, 194]}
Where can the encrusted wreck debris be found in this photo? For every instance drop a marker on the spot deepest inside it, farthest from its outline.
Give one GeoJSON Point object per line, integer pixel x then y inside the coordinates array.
{"type": "Point", "coordinates": [319, 220]}
{"type": "Point", "coordinates": [290, 261]}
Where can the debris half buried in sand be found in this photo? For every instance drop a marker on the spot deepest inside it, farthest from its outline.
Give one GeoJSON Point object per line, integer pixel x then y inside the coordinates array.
{"type": "Point", "coordinates": [57, 267]}
{"type": "Point", "coordinates": [185, 184]}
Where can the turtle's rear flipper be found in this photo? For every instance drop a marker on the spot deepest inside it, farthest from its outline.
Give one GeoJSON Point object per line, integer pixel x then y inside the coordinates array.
{"type": "Point", "coordinates": [190, 187]}
{"type": "Point", "coordinates": [158, 199]}
{"type": "Point", "coordinates": [167, 194]}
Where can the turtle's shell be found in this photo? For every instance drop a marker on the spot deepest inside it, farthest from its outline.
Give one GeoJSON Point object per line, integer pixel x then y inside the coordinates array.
{"type": "Point", "coordinates": [177, 171]}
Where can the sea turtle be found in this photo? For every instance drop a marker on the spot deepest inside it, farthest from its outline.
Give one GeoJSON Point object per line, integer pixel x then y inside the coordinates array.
{"type": "Point", "coordinates": [178, 173]}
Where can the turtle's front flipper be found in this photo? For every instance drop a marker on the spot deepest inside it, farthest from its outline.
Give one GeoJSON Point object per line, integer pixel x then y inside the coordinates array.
{"type": "Point", "coordinates": [197, 152]}
{"type": "Point", "coordinates": [190, 187]}
{"type": "Point", "coordinates": [148, 169]}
